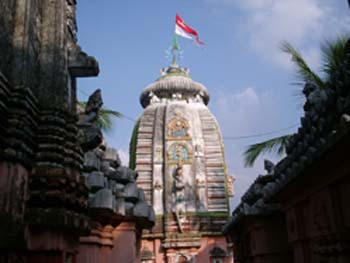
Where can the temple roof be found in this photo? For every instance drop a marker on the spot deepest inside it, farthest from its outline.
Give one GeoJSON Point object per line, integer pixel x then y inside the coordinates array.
{"type": "Point", "coordinates": [174, 80]}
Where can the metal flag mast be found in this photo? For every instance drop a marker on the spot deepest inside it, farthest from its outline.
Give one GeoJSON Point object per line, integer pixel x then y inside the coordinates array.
{"type": "Point", "coordinates": [175, 51]}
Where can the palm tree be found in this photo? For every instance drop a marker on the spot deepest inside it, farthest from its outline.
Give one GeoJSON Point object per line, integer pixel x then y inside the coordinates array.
{"type": "Point", "coordinates": [333, 54]}
{"type": "Point", "coordinates": [104, 120]}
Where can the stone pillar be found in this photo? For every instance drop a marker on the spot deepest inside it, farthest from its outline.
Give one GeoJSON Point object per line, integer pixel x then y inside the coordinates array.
{"type": "Point", "coordinates": [17, 117]}
{"type": "Point", "coordinates": [7, 10]}
{"type": "Point", "coordinates": [25, 45]}
{"type": "Point", "coordinates": [40, 155]}
{"type": "Point", "coordinates": [106, 255]}
{"type": "Point", "coordinates": [125, 242]}
{"type": "Point", "coordinates": [13, 195]}
{"type": "Point", "coordinates": [50, 246]}
{"type": "Point", "coordinates": [97, 247]}
{"type": "Point", "coordinates": [297, 235]}
{"type": "Point", "coordinates": [160, 257]}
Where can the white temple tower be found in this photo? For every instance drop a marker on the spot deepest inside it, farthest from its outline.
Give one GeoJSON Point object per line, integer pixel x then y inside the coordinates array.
{"type": "Point", "coordinates": [178, 151]}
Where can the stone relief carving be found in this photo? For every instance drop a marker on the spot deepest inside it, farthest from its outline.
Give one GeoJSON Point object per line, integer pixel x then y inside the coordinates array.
{"type": "Point", "coordinates": [269, 167]}
{"type": "Point", "coordinates": [179, 152]}
{"type": "Point", "coordinates": [153, 98]}
{"type": "Point", "coordinates": [230, 181]}
{"type": "Point", "coordinates": [71, 20]}
{"type": "Point", "coordinates": [181, 258]}
{"type": "Point", "coordinates": [198, 150]}
{"type": "Point", "coordinates": [157, 186]}
{"type": "Point", "coordinates": [90, 136]}
{"type": "Point", "coordinates": [178, 127]}
{"type": "Point", "coordinates": [178, 189]}
{"type": "Point", "coordinates": [198, 98]}
{"type": "Point", "coordinates": [158, 154]}
{"type": "Point", "coordinates": [179, 196]}
{"type": "Point", "coordinates": [80, 64]}
{"type": "Point", "coordinates": [200, 183]}
{"type": "Point", "coordinates": [201, 194]}
{"type": "Point", "coordinates": [177, 96]}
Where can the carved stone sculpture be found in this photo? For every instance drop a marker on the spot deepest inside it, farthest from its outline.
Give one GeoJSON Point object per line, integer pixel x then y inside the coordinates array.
{"type": "Point", "coordinates": [90, 135]}
{"type": "Point", "coordinates": [178, 190]}
{"type": "Point", "coordinates": [269, 167]}
{"type": "Point", "coordinates": [80, 64]}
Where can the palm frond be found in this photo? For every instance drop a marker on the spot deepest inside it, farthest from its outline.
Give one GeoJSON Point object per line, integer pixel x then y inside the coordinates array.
{"type": "Point", "coordinates": [333, 54]}
{"type": "Point", "coordinates": [104, 120]}
{"type": "Point", "coordinates": [303, 70]}
{"type": "Point", "coordinates": [276, 145]}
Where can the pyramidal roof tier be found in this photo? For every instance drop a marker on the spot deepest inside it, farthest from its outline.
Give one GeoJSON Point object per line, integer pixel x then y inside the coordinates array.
{"type": "Point", "coordinates": [174, 83]}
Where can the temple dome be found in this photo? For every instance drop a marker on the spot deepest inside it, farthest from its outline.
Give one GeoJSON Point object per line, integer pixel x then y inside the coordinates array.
{"type": "Point", "coordinates": [174, 82]}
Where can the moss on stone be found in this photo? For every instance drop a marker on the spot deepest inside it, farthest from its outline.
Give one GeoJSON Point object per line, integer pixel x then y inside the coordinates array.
{"type": "Point", "coordinates": [133, 144]}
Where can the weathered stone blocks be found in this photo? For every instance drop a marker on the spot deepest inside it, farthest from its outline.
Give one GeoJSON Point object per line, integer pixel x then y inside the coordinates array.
{"type": "Point", "coordinates": [91, 161]}
{"type": "Point", "coordinates": [112, 186]}
{"type": "Point", "coordinates": [103, 198]}
{"type": "Point", "coordinates": [96, 181]}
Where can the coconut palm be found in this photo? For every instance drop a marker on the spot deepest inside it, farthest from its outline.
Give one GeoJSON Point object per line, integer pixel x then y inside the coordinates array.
{"type": "Point", "coordinates": [104, 120]}
{"type": "Point", "coordinates": [105, 116]}
{"type": "Point", "coordinates": [275, 145]}
{"type": "Point", "coordinates": [333, 54]}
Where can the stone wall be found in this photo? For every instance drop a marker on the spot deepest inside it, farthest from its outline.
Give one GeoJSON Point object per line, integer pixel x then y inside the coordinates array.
{"type": "Point", "coordinates": [39, 144]}
{"type": "Point", "coordinates": [7, 18]}
{"type": "Point", "coordinates": [117, 208]}
{"type": "Point", "coordinates": [56, 183]}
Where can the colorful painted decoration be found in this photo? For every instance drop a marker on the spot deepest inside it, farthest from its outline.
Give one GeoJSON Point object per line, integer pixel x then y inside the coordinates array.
{"type": "Point", "coordinates": [178, 127]}
{"type": "Point", "coordinates": [178, 152]}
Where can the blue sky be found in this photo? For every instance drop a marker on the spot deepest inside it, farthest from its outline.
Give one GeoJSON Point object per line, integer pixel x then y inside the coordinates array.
{"type": "Point", "coordinates": [248, 77]}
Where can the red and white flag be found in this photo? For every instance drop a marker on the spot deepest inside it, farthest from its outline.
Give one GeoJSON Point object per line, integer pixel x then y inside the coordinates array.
{"type": "Point", "coordinates": [186, 31]}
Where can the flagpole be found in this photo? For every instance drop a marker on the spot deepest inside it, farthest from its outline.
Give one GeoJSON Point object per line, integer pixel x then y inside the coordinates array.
{"type": "Point", "coordinates": [175, 51]}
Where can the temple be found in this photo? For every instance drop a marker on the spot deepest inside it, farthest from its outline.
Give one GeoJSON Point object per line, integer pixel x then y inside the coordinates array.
{"type": "Point", "coordinates": [64, 196]}
{"type": "Point", "coordinates": [177, 150]}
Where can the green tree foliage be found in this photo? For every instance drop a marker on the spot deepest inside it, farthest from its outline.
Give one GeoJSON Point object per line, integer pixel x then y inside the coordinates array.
{"type": "Point", "coordinates": [105, 117]}
{"type": "Point", "coordinates": [133, 144]}
{"type": "Point", "coordinates": [276, 145]}
{"type": "Point", "coordinates": [333, 54]}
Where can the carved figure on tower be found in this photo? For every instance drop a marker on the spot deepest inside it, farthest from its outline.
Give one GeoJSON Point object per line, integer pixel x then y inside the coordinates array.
{"type": "Point", "coordinates": [178, 192]}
